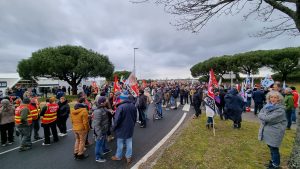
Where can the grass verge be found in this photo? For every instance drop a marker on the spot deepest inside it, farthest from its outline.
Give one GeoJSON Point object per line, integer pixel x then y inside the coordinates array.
{"type": "Point", "coordinates": [197, 148]}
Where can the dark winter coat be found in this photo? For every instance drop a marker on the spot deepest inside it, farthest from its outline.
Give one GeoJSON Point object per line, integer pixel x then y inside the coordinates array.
{"type": "Point", "coordinates": [63, 110]}
{"type": "Point", "coordinates": [141, 103]}
{"type": "Point", "coordinates": [125, 119]}
{"type": "Point", "coordinates": [258, 96]}
{"type": "Point", "coordinates": [234, 105]}
{"type": "Point", "coordinates": [100, 122]}
{"type": "Point", "coordinates": [197, 97]}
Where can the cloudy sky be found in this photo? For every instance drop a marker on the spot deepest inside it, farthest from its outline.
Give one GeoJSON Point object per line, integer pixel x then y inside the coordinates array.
{"type": "Point", "coordinates": [115, 27]}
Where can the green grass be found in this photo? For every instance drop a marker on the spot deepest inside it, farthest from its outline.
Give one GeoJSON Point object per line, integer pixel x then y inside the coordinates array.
{"type": "Point", "coordinates": [197, 148]}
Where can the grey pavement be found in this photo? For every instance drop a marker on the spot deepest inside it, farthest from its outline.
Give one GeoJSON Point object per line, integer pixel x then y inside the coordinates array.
{"type": "Point", "coordinates": [60, 155]}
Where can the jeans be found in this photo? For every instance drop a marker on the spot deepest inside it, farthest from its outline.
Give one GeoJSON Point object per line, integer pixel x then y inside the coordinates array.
{"type": "Point", "coordinates": [101, 147]}
{"type": "Point", "coordinates": [288, 114]}
{"type": "Point", "coordinates": [209, 120]}
{"type": "Point", "coordinates": [79, 142]}
{"type": "Point", "coordinates": [25, 133]}
{"type": "Point", "coordinates": [294, 115]}
{"type": "Point", "coordinates": [120, 144]}
{"type": "Point", "coordinates": [275, 156]}
{"type": "Point", "coordinates": [248, 104]}
{"type": "Point", "coordinates": [159, 109]}
{"type": "Point", "coordinates": [47, 128]}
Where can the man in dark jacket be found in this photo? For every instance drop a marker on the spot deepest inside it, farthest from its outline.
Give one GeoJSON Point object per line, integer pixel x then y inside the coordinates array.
{"type": "Point", "coordinates": [258, 97]}
{"type": "Point", "coordinates": [197, 99]}
{"type": "Point", "coordinates": [234, 107]}
{"type": "Point", "coordinates": [62, 116]}
{"type": "Point", "coordinates": [124, 122]}
{"type": "Point", "coordinates": [141, 105]}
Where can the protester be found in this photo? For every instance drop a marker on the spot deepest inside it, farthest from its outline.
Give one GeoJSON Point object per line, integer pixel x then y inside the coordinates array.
{"type": "Point", "coordinates": [234, 107]}
{"type": "Point", "coordinates": [101, 127]}
{"type": "Point", "coordinates": [23, 122]}
{"type": "Point", "coordinates": [141, 105]}
{"type": "Point", "coordinates": [296, 103]}
{"type": "Point", "coordinates": [62, 116]}
{"type": "Point", "coordinates": [197, 99]}
{"type": "Point", "coordinates": [124, 122]}
{"type": "Point", "coordinates": [158, 102]}
{"type": "Point", "coordinates": [7, 122]}
{"type": "Point", "coordinates": [258, 97]}
{"type": "Point", "coordinates": [289, 106]}
{"type": "Point", "coordinates": [273, 124]}
{"type": "Point", "coordinates": [35, 114]}
{"type": "Point", "coordinates": [80, 126]}
{"type": "Point", "coordinates": [49, 119]}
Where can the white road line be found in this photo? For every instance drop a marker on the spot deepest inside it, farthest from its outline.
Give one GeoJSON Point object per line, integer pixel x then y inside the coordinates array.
{"type": "Point", "coordinates": [7, 151]}
{"type": "Point", "coordinates": [186, 107]}
{"type": "Point", "coordinates": [158, 145]}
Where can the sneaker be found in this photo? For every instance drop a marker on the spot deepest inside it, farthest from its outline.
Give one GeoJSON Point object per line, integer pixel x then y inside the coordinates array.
{"type": "Point", "coordinates": [101, 160]}
{"type": "Point", "coordinates": [60, 134]}
{"type": "Point", "coordinates": [142, 126]}
{"type": "Point", "coordinates": [82, 156]}
{"type": "Point", "coordinates": [64, 134]}
{"type": "Point", "coordinates": [114, 158]}
{"type": "Point", "coordinates": [138, 122]}
{"type": "Point", "coordinates": [44, 144]}
{"type": "Point", "coordinates": [129, 160]}
{"type": "Point", "coordinates": [107, 151]}
{"type": "Point", "coordinates": [10, 143]}
{"type": "Point", "coordinates": [38, 138]}
{"type": "Point", "coordinates": [3, 145]}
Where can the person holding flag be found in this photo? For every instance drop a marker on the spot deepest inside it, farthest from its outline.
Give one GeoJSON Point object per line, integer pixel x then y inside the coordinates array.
{"type": "Point", "coordinates": [210, 105]}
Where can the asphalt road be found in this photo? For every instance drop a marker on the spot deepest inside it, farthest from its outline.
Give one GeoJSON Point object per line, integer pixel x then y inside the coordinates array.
{"type": "Point", "coordinates": [60, 155]}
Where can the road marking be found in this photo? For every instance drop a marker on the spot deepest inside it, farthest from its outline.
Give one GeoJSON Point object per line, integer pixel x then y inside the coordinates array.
{"type": "Point", "coordinates": [158, 145]}
{"type": "Point", "coordinates": [186, 107]}
{"type": "Point", "coordinates": [7, 151]}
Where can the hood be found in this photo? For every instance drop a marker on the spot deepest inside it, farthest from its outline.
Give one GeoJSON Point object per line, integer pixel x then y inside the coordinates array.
{"type": "Point", "coordinates": [5, 103]}
{"type": "Point", "coordinates": [233, 91]}
{"type": "Point", "coordinates": [77, 111]}
{"type": "Point", "coordinates": [80, 105]}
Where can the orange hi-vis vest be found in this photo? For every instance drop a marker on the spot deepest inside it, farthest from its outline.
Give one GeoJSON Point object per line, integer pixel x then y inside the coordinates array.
{"type": "Point", "coordinates": [18, 114]}
{"type": "Point", "coordinates": [51, 113]}
{"type": "Point", "coordinates": [34, 112]}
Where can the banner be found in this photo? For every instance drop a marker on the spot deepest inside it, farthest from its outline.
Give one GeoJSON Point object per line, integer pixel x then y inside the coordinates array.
{"type": "Point", "coordinates": [132, 84]}
{"type": "Point", "coordinates": [210, 104]}
{"type": "Point", "coordinates": [267, 81]}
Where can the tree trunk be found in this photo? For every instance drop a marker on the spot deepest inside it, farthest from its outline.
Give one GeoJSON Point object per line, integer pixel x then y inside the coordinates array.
{"type": "Point", "coordinates": [284, 76]}
{"type": "Point", "coordinates": [74, 89]}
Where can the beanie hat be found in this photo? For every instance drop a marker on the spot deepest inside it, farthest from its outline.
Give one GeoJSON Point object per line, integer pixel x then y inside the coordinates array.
{"type": "Point", "coordinates": [26, 100]}
{"type": "Point", "coordinates": [101, 100]}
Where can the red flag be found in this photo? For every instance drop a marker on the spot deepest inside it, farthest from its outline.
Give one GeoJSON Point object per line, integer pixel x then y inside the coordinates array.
{"type": "Point", "coordinates": [212, 83]}
{"type": "Point", "coordinates": [116, 85]}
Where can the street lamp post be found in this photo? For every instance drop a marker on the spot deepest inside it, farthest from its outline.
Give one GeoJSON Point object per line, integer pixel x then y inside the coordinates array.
{"type": "Point", "coordinates": [134, 60]}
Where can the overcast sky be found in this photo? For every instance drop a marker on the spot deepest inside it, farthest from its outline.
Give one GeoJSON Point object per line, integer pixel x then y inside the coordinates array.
{"type": "Point", "coordinates": [115, 27]}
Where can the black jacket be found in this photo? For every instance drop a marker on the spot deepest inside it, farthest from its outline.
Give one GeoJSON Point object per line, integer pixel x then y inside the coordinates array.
{"type": "Point", "coordinates": [63, 110]}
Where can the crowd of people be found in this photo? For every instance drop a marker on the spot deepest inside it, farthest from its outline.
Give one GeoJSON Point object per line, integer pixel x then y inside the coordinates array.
{"type": "Point", "coordinates": [113, 115]}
